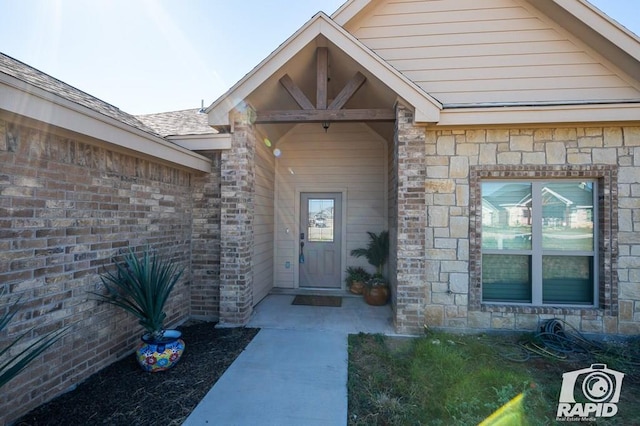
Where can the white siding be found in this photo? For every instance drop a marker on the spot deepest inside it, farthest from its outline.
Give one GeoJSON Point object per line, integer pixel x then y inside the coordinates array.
{"type": "Point", "coordinates": [349, 158]}
{"type": "Point", "coordinates": [488, 51]}
{"type": "Point", "coordinates": [263, 249]}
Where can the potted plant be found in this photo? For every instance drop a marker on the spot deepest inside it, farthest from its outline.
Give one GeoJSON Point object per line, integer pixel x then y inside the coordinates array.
{"type": "Point", "coordinates": [356, 279]}
{"type": "Point", "coordinates": [141, 286]}
{"type": "Point", "coordinates": [376, 291]}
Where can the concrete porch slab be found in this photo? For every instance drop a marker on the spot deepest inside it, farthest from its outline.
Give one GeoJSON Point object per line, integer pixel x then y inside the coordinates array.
{"type": "Point", "coordinates": [294, 372]}
{"type": "Point", "coordinates": [354, 316]}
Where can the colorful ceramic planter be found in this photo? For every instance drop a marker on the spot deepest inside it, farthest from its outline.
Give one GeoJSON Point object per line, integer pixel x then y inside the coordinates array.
{"type": "Point", "coordinates": [154, 356]}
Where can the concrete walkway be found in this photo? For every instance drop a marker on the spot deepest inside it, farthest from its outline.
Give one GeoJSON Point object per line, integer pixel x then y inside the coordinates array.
{"type": "Point", "coordinates": [294, 372]}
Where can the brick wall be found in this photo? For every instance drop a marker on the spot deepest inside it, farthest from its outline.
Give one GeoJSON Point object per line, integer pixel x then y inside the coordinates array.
{"type": "Point", "coordinates": [411, 157]}
{"type": "Point", "coordinates": [392, 225]}
{"type": "Point", "coordinates": [205, 253]}
{"type": "Point", "coordinates": [66, 207]}
{"type": "Point", "coordinates": [237, 220]}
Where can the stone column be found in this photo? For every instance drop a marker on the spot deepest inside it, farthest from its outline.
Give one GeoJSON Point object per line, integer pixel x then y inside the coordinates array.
{"type": "Point", "coordinates": [411, 291]}
{"type": "Point", "coordinates": [236, 222]}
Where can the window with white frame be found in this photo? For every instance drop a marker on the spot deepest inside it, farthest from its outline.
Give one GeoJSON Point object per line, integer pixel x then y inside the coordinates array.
{"type": "Point", "coordinates": [539, 242]}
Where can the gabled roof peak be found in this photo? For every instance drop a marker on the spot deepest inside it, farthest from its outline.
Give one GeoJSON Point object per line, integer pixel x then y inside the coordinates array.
{"type": "Point", "coordinates": [580, 17]}
{"type": "Point", "coordinates": [427, 109]}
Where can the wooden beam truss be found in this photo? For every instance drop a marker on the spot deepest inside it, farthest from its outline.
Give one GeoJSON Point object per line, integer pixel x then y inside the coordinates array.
{"type": "Point", "coordinates": [323, 112]}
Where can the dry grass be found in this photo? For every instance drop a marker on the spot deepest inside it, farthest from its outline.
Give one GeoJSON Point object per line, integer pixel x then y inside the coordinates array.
{"type": "Point", "coordinates": [443, 379]}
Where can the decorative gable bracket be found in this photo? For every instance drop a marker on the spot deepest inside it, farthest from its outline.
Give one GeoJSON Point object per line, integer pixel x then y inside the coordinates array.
{"type": "Point", "coordinates": [322, 111]}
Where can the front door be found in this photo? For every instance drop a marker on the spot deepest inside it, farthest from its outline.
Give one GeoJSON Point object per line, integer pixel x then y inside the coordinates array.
{"type": "Point", "coordinates": [320, 239]}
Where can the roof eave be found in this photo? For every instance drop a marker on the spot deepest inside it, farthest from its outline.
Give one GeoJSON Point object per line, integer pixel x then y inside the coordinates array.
{"type": "Point", "coordinates": [348, 11]}
{"type": "Point", "coordinates": [617, 34]}
{"type": "Point", "coordinates": [23, 99]}
{"type": "Point", "coordinates": [603, 35]}
{"type": "Point", "coordinates": [210, 142]}
{"type": "Point", "coordinates": [547, 115]}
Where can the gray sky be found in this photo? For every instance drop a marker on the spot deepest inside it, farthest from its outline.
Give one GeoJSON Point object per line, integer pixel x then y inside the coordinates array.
{"type": "Point", "coordinates": [147, 56]}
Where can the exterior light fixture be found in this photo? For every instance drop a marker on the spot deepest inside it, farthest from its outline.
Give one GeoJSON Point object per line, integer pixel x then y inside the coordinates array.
{"type": "Point", "coordinates": [325, 126]}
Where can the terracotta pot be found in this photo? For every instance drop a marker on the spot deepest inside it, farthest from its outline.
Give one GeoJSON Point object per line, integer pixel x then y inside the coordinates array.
{"type": "Point", "coordinates": [357, 287]}
{"type": "Point", "coordinates": [377, 295]}
{"type": "Point", "coordinates": [154, 356]}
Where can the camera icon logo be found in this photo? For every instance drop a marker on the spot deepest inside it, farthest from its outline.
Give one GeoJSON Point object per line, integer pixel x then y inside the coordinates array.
{"type": "Point", "coordinates": [588, 392]}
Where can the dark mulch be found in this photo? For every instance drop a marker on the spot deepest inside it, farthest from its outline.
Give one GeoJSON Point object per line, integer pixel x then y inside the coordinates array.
{"type": "Point", "coordinates": [123, 394]}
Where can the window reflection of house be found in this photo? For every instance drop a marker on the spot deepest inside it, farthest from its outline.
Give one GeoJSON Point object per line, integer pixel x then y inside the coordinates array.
{"type": "Point", "coordinates": [512, 202]}
{"type": "Point", "coordinates": [548, 226]}
{"type": "Point", "coordinates": [568, 205]}
{"type": "Point", "coordinates": [490, 213]}
{"type": "Point", "coordinates": [565, 205]}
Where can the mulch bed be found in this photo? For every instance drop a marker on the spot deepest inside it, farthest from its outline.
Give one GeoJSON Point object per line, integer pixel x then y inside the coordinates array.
{"type": "Point", "coordinates": [123, 394]}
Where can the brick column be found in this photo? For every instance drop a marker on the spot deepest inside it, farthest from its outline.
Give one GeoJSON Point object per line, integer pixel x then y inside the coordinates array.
{"type": "Point", "coordinates": [205, 242]}
{"type": "Point", "coordinates": [410, 156]}
{"type": "Point", "coordinates": [236, 223]}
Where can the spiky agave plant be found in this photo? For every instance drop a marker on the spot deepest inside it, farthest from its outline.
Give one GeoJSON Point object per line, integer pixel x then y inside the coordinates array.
{"type": "Point", "coordinates": [141, 286]}
{"type": "Point", "coordinates": [12, 366]}
{"type": "Point", "coordinates": [376, 251]}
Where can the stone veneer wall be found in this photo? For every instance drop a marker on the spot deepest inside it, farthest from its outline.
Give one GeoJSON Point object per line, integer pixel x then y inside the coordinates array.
{"type": "Point", "coordinates": [451, 154]}
{"type": "Point", "coordinates": [67, 206]}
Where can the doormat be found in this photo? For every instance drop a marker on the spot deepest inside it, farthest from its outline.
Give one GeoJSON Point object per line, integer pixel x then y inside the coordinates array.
{"type": "Point", "coordinates": [333, 301]}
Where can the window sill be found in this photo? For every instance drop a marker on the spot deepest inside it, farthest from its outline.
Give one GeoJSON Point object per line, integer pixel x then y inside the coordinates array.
{"type": "Point", "coordinates": [546, 310]}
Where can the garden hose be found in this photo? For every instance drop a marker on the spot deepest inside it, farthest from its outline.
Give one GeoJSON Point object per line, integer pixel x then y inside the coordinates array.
{"type": "Point", "coordinates": [556, 339]}
{"type": "Point", "coordinates": [514, 352]}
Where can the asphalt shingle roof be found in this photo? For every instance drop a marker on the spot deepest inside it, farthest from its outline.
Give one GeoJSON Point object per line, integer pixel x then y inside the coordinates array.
{"type": "Point", "coordinates": [34, 77]}
{"type": "Point", "coordinates": [186, 122]}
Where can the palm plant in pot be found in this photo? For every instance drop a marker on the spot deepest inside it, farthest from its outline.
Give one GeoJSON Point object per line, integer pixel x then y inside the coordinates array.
{"type": "Point", "coordinates": [376, 290]}
{"type": "Point", "coordinates": [141, 286]}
